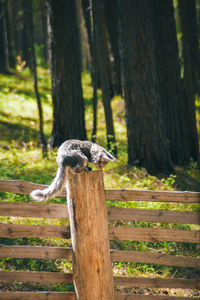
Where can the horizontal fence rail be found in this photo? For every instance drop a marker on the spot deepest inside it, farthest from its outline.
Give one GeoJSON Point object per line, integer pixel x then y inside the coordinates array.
{"type": "Point", "coordinates": [24, 187]}
{"type": "Point", "coordinates": [60, 211]}
{"type": "Point", "coordinates": [153, 235]}
{"type": "Point", "coordinates": [46, 252]}
{"type": "Point", "coordinates": [39, 231]}
{"type": "Point", "coordinates": [38, 252]}
{"type": "Point", "coordinates": [52, 211]}
{"type": "Point", "coordinates": [33, 210]}
{"type": "Point", "coordinates": [38, 296]}
{"type": "Point", "coordinates": [56, 277]}
{"type": "Point", "coordinates": [71, 296]}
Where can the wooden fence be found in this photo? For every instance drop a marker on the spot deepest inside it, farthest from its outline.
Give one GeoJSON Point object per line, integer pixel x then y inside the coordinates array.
{"type": "Point", "coordinates": [154, 235]}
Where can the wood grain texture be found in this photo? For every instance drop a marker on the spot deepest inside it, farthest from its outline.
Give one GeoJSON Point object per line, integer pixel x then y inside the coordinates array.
{"type": "Point", "coordinates": [49, 277]}
{"type": "Point", "coordinates": [41, 277]}
{"type": "Point", "coordinates": [34, 210]}
{"type": "Point", "coordinates": [51, 211]}
{"type": "Point", "coordinates": [38, 252]}
{"type": "Point", "coordinates": [36, 295]}
{"type": "Point", "coordinates": [154, 235]}
{"type": "Point", "coordinates": [157, 282]}
{"type": "Point", "coordinates": [19, 186]}
{"type": "Point", "coordinates": [92, 270]}
{"type": "Point", "coordinates": [40, 231]}
{"type": "Point", "coordinates": [153, 215]}
{"type": "Point", "coordinates": [148, 297]}
{"type": "Point", "coordinates": [152, 196]}
{"type": "Point", "coordinates": [155, 258]}
{"type": "Point", "coordinates": [71, 296]}
{"type": "Point", "coordinates": [44, 252]}
{"type": "Point", "coordinates": [25, 187]}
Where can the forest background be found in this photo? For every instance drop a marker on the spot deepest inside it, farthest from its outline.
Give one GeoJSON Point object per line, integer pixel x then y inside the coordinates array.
{"type": "Point", "coordinates": [144, 52]}
{"type": "Point", "coordinates": [122, 73]}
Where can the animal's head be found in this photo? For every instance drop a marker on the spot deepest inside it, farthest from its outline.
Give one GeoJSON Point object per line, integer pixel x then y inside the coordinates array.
{"type": "Point", "coordinates": [100, 156]}
{"type": "Point", "coordinates": [102, 161]}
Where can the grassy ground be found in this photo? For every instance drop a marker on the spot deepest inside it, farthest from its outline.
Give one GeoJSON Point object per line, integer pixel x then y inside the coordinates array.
{"type": "Point", "coordinates": [22, 159]}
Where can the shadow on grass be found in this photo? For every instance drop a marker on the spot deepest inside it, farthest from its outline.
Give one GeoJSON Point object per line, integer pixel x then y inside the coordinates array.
{"type": "Point", "coordinates": [31, 94]}
{"type": "Point", "coordinates": [186, 182]}
{"type": "Point", "coordinates": [17, 132]}
{"type": "Point", "coordinates": [8, 116]}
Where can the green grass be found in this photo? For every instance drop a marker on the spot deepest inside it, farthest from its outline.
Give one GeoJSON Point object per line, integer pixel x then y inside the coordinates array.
{"type": "Point", "coordinates": [21, 158]}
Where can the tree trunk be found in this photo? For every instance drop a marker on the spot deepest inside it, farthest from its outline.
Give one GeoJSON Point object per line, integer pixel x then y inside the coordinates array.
{"type": "Point", "coordinates": [112, 17]}
{"type": "Point", "coordinates": [15, 25]}
{"type": "Point", "coordinates": [88, 16]}
{"type": "Point", "coordinates": [98, 19]}
{"type": "Point", "coordinates": [187, 15]}
{"type": "Point", "coordinates": [45, 57]}
{"type": "Point", "coordinates": [10, 41]}
{"type": "Point", "coordinates": [68, 107]}
{"type": "Point", "coordinates": [147, 146]}
{"type": "Point", "coordinates": [167, 62]}
{"type": "Point", "coordinates": [3, 40]}
{"type": "Point", "coordinates": [30, 29]}
{"type": "Point", "coordinates": [26, 41]}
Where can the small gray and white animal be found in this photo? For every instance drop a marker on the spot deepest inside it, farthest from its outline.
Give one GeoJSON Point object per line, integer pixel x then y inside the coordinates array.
{"type": "Point", "coordinates": [76, 155]}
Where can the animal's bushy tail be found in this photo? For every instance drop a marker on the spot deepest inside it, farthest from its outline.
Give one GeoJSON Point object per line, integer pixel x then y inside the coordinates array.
{"type": "Point", "coordinates": [54, 188]}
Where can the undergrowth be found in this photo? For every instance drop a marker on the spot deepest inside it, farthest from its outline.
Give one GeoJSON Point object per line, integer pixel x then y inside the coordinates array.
{"type": "Point", "coordinates": [21, 158]}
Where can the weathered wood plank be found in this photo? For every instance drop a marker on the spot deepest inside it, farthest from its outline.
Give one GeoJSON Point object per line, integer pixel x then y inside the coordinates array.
{"type": "Point", "coordinates": [148, 297]}
{"type": "Point", "coordinates": [33, 210]}
{"type": "Point", "coordinates": [154, 235]}
{"type": "Point", "coordinates": [37, 295]}
{"type": "Point", "coordinates": [38, 252]}
{"type": "Point", "coordinates": [40, 231]}
{"type": "Point", "coordinates": [41, 277]}
{"type": "Point", "coordinates": [157, 282]}
{"type": "Point", "coordinates": [25, 187]}
{"type": "Point", "coordinates": [92, 269]}
{"type": "Point", "coordinates": [114, 213]}
{"type": "Point", "coordinates": [44, 252]}
{"type": "Point", "coordinates": [71, 296]}
{"type": "Point", "coordinates": [153, 215]}
{"type": "Point", "coordinates": [19, 186]}
{"type": "Point", "coordinates": [155, 258]}
{"type": "Point", "coordinates": [115, 233]}
{"type": "Point", "coordinates": [44, 210]}
{"type": "Point", "coordinates": [152, 196]}
{"type": "Point", "coordinates": [49, 277]}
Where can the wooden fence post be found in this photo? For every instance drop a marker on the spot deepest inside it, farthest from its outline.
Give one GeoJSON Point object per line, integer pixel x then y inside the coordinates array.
{"type": "Point", "coordinates": [92, 270]}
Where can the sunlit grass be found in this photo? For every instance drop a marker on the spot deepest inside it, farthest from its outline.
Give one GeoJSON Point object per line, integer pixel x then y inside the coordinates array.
{"type": "Point", "coordinates": [21, 158]}
{"type": "Point", "coordinates": [19, 126]}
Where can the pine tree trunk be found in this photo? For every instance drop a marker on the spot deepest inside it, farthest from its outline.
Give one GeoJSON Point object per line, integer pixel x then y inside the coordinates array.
{"type": "Point", "coordinates": [98, 19]}
{"type": "Point", "coordinates": [45, 59]}
{"type": "Point", "coordinates": [10, 41]}
{"type": "Point", "coordinates": [88, 16]}
{"type": "Point", "coordinates": [167, 62]}
{"type": "Point", "coordinates": [112, 21]}
{"type": "Point", "coordinates": [68, 107]}
{"type": "Point", "coordinates": [147, 146]}
{"type": "Point", "coordinates": [30, 29]}
{"type": "Point", "coordinates": [3, 40]}
{"type": "Point", "coordinates": [26, 40]}
{"type": "Point", "coordinates": [191, 61]}
{"type": "Point", "coordinates": [16, 25]}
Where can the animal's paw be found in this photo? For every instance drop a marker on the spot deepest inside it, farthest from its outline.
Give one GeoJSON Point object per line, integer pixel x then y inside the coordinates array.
{"type": "Point", "coordinates": [89, 169]}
